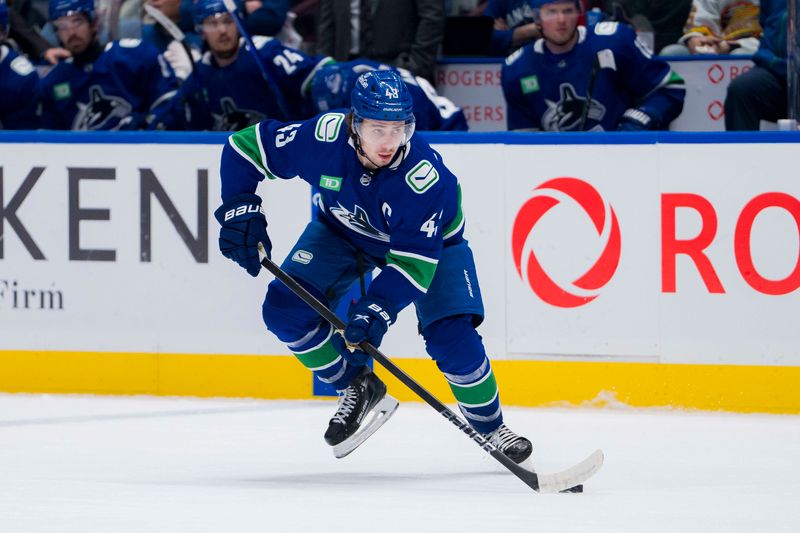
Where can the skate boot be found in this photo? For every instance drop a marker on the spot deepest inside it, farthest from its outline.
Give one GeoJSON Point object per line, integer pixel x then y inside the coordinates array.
{"type": "Point", "coordinates": [363, 407]}
{"type": "Point", "coordinates": [515, 447]}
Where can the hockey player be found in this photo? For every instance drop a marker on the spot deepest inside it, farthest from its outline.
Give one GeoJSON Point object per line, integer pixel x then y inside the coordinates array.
{"type": "Point", "coordinates": [19, 84]}
{"type": "Point", "coordinates": [334, 82]}
{"type": "Point", "coordinates": [227, 91]}
{"type": "Point", "coordinates": [578, 79]}
{"type": "Point", "coordinates": [125, 85]}
{"type": "Point", "coordinates": [385, 200]}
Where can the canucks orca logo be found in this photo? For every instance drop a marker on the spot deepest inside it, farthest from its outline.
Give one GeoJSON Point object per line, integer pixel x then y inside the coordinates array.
{"type": "Point", "coordinates": [234, 119]}
{"type": "Point", "coordinates": [566, 114]}
{"type": "Point", "coordinates": [100, 111]}
{"type": "Point", "coordinates": [358, 221]}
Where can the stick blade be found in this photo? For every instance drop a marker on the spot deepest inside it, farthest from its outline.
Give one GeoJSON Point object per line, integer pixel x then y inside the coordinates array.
{"type": "Point", "coordinates": [576, 475]}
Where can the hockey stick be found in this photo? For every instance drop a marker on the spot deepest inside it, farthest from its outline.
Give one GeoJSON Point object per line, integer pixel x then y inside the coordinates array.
{"type": "Point", "coordinates": [173, 29]}
{"type": "Point", "coordinates": [545, 483]}
{"type": "Point", "coordinates": [248, 40]}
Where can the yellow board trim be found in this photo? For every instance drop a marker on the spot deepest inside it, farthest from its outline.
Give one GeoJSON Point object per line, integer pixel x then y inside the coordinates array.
{"type": "Point", "coordinates": [746, 389]}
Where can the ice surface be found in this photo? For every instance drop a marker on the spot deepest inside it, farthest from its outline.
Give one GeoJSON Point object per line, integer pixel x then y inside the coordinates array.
{"type": "Point", "coordinates": [139, 464]}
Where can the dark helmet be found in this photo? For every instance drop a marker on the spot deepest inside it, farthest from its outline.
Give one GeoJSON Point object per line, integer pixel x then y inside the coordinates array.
{"type": "Point", "coordinates": [62, 8]}
{"type": "Point", "coordinates": [539, 3]}
{"type": "Point", "coordinates": [381, 95]}
{"type": "Point", "coordinates": [202, 9]}
{"type": "Point", "coordinates": [332, 85]}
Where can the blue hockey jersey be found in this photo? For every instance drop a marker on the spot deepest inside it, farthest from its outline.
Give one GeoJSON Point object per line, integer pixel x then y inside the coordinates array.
{"type": "Point", "coordinates": [431, 111]}
{"type": "Point", "coordinates": [401, 215]}
{"type": "Point", "coordinates": [19, 86]}
{"type": "Point", "coordinates": [236, 96]}
{"type": "Point", "coordinates": [129, 86]}
{"type": "Point", "coordinates": [546, 91]}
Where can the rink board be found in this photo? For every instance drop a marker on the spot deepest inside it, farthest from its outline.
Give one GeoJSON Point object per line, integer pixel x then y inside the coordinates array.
{"type": "Point", "coordinates": [110, 281]}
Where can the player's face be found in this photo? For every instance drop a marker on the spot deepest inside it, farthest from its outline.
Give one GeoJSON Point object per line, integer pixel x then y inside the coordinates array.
{"type": "Point", "coordinates": [559, 22]}
{"type": "Point", "coordinates": [171, 8]}
{"type": "Point", "coordinates": [221, 35]}
{"type": "Point", "coordinates": [380, 140]}
{"type": "Point", "coordinates": [75, 32]}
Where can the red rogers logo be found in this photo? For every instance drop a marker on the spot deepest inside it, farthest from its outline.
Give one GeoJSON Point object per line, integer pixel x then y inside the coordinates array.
{"type": "Point", "coordinates": [528, 266]}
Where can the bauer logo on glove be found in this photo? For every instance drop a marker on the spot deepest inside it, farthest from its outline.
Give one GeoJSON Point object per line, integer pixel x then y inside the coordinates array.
{"type": "Point", "coordinates": [243, 209]}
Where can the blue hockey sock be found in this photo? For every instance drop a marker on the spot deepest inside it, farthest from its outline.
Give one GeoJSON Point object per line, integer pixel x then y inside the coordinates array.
{"type": "Point", "coordinates": [459, 353]}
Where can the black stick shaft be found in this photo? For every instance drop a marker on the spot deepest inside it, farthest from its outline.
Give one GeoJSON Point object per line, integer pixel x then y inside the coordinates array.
{"type": "Point", "coordinates": [529, 478]}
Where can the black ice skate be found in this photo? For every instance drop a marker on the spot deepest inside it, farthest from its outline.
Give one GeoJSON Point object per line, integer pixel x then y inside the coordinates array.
{"type": "Point", "coordinates": [364, 407]}
{"type": "Point", "coordinates": [515, 447]}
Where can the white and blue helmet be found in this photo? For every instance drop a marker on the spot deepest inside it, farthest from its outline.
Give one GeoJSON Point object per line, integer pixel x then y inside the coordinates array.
{"type": "Point", "coordinates": [382, 95]}
{"type": "Point", "coordinates": [62, 8]}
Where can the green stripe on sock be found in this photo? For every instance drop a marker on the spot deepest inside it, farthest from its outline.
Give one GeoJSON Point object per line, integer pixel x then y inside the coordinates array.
{"type": "Point", "coordinates": [318, 357]}
{"type": "Point", "coordinates": [479, 394]}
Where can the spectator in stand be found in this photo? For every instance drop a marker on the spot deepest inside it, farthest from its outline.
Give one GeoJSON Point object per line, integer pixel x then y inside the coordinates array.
{"type": "Point", "coordinates": [665, 18]}
{"type": "Point", "coordinates": [26, 35]}
{"type": "Point", "coordinates": [333, 85]}
{"type": "Point", "coordinates": [125, 85]}
{"type": "Point", "coordinates": [402, 33]}
{"type": "Point", "coordinates": [18, 84]}
{"type": "Point", "coordinates": [719, 27]}
{"type": "Point", "coordinates": [579, 79]}
{"type": "Point", "coordinates": [761, 92]}
{"type": "Point", "coordinates": [227, 92]}
{"type": "Point", "coordinates": [513, 25]}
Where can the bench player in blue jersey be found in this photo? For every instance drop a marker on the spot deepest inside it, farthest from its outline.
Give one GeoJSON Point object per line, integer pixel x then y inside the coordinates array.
{"type": "Point", "coordinates": [227, 91]}
{"type": "Point", "coordinates": [386, 200]}
{"type": "Point", "coordinates": [334, 82]}
{"type": "Point", "coordinates": [126, 84]}
{"type": "Point", "coordinates": [19, 84]}
{"type": "Point", "coordinates": [578, 79]}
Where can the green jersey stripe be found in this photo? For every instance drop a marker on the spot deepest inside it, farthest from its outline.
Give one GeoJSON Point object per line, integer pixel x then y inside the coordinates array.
{"type": "Point", "coordinates": [476, 394]}
{"type": "Point", "coordinates": [458, 221]}
{"type": "Point", "coordinates": [247, 143]}
{"type": "Point", "coordinates": [419, 270]}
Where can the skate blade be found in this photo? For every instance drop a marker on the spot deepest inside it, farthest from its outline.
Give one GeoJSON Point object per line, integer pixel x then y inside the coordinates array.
{"type": "Point", "coordinates": [377, 417]}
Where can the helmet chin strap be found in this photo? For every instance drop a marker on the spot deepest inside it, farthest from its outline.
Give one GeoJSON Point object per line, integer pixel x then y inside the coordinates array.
{"type": "Point", "coordinates": [400, 150]}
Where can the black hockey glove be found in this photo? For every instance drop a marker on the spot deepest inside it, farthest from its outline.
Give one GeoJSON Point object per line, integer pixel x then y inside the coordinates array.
{"type": "Point", "coordinates": [243, 227]}
{"type": "Point", "coordinates": [369, 321]}
{"type": "Point", "coordinates": [634, 119]}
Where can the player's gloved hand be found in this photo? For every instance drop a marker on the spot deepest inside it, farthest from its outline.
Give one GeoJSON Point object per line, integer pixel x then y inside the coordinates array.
{"type": "Point", "coordinates": [243, 227]}
{"type": "Point", "coordinates": [179, 60]}
{"type": "Point", "coordinates": [369, 321]}
{"type": "Point", "coordinates": [636, 120]}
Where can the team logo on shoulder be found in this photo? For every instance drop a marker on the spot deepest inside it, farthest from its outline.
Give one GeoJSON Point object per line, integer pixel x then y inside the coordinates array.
{"type": "Point", "coordinates": [358, 221]}
{"type": "Point", "coordinates": [567, 113]}
{"type": "Point", "coordinates": [514, 56]}
{"type": "Point", "coordinates": [328, 127]}
{"type": "Point", "coordinates": [421, 177]}
{"type": "Point", "coordinates": [129, 43]}
{"type": "Point", "coordinates": [606, 28]}
{"type": "Point", "coordinates": [21, 65]}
